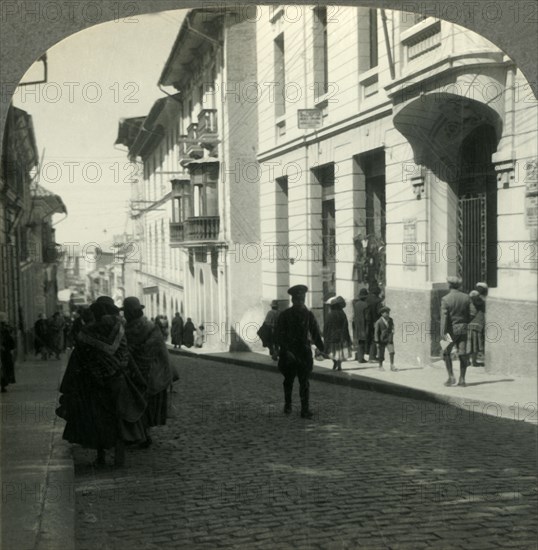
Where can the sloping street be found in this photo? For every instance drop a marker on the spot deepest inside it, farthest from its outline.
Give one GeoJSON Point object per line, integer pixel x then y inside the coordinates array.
{"type": "Point", "coordinates": [231, 471]}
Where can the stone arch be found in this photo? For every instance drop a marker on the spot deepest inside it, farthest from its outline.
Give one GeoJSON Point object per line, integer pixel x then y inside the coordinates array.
{"type": "Point", "coordinates": [512, 31]}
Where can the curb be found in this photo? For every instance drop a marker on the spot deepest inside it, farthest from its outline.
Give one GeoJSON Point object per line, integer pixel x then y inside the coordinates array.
{"type": "Point", "coordinates": [470, 405]}
{"type": "Point", "coordinates": [57, 526]}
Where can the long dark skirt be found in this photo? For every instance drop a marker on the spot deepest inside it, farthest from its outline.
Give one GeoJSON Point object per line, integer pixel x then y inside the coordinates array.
{"type": "Point", "coordinates": [7, 373]}
{"type": "Point", "coordinates": [157, 409]}
{"type": "Point", "coordinates": [91, 412]}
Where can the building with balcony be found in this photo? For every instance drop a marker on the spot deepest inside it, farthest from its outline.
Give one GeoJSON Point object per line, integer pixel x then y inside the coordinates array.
{"type": "Point", "coordinates": [150, 268]}
{"type": "Point", "coordinates": [416, 161]}
{"type": "Point", "coordinates": [28, 251]}
{"type": "Point", "coordinates": [215, 201]}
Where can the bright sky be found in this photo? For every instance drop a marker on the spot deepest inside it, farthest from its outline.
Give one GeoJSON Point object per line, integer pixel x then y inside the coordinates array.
{"type": "Point", "coordinates": [95, 78]}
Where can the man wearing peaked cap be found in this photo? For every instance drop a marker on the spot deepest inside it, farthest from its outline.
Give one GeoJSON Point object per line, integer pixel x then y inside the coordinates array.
{"type": "Point", "coordinates": [297, 290]}
{"type": "Point", "coordinates": [455, 316]}
{"type": "Point", "coordinates": [294, 328]}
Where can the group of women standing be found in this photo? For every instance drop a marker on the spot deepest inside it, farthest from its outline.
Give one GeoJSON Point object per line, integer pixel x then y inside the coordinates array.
{"type": "Point", "coordinates": [186, 334]}
{"type": "Point", "coordinates": [115, 385]}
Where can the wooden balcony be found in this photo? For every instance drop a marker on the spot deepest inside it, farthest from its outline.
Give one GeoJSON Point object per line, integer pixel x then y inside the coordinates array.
{"type": "Point", "coordinates": [194, 231]}
{"type": "Point", "coordinates": [183, 154]}
{"type": "Point", "coordinates": [193, 147]}
{"type": "Point", "coordinates": [177, 234]}
{"type": "Point", "coordinates": [207, 127]}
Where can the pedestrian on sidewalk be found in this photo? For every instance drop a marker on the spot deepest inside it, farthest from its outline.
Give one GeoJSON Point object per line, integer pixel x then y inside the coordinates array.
{"type": "Point", "coordinates": [199, 338]}
{"type": "Point", "coordinates": [56, 328]}
{"type": "Point", "coordinates": [102, 390]}
{"type": "Point", "coordinates": [455, 312]}
{"type": "Point", "coordinates": [41, 337]}
{"type": "Point", "coordinates": [266, 332]}
{"type": "Point", "coordinates": [482, 289]}
{"type": "Point", "coordinates": [361, 322]}
{"type": "Point", "coordinates": [294, 328]}
{"type": "Point", "coordinates": [475, 333]}
{"type": "Point", "coordinates": [7, 346]}
{"type": "Point", "coordinates": [188, 333]}
{"type": "Point", "coordinates": [148, 350]}
{"type": "Point", "coordinates": [336, 333]}
{"type": "Point", "coordinates": [67, 337]}
{"type": "Point", "coordinates": [374, 302]}
{"type": "Point", "coordinates": [177, 331]}
{"type": "Point", "coordinates": [384, 337]}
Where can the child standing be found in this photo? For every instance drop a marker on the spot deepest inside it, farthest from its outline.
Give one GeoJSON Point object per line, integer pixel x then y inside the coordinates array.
{"type": "Point", "coordinates": [384, 337]}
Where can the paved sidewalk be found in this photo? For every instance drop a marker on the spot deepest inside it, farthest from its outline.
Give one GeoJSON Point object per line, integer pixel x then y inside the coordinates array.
{"type": "Point", "coordinates": [38, 504]}
{"type": "Point", "coordinates": [508, 397]}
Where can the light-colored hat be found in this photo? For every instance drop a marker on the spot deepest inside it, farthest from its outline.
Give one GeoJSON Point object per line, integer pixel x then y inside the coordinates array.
{"type": "Point", "coordinates": [454, 280]}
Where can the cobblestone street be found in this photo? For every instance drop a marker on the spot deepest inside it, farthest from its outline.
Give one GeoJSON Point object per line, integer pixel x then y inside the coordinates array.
{"type": "Point", "coordinates": [369, 471]}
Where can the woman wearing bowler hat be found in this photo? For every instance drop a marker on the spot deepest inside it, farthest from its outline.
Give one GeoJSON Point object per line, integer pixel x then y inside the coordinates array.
{"type": "Point", "coordinates": [148, 350]}
{"type": "Point", "coordinates": [336, 333]}
{"type": "Point", "coordinates": [102, 390]}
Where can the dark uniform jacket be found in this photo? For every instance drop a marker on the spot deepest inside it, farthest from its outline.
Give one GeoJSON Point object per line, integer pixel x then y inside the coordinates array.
{"type": "Point", "coordinates": [295, 332]}
{"type": "Point", "coordinates": [455, 312]}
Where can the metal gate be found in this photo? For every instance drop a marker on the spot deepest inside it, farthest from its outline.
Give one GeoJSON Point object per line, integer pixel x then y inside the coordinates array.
{"type": "Point", "coordinates": [472, 239]}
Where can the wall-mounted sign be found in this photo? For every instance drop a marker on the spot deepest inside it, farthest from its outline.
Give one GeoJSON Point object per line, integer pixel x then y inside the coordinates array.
{"type": "Point", "coordinates": [531, 193]}
{"type": "Point", "coordinates": [409, 245]}
{"type": "Point", "coordinates": [309, 118]}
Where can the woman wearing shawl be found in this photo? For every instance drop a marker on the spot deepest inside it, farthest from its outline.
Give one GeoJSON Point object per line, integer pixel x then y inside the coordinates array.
{"type": "Point", "coordinates": [177, 331]}
{"type": "Point", "coordinates": [102, 388]}
{"type": "Point", "coordinates": [336, 333]}
{"type": "Point", "coordinates": [188, 333]}
{"type": "Point", "coordinates": [148, 350]}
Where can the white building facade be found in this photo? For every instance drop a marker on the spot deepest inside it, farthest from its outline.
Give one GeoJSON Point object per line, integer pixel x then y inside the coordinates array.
{"type": "Point", "coordinates": [424, 166]}
{"type": "Point", "coordinates": [215, 201]}
{"type": "Point", "coordinates": [153, 271]}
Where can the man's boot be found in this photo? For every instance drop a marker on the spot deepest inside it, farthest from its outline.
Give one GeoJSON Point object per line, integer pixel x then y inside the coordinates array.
{"type": "Point", "coordinates": [287, 403]}
{"type": "Point", "coordinates": [448, 363]}
{"type": "Point", "coordinates": [463, 370]}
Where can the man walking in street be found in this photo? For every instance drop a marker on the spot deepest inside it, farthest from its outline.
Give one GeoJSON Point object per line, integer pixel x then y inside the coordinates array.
{"type": "Point", "coordinates": [455, 312]}
{"type": "Point", "coordinates": [295, 326]}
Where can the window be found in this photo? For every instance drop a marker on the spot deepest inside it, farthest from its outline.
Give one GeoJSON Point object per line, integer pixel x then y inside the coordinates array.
{"type": "Point", "coordinates": [204, 180]}
{"type": "Point", "coordinates": [368, 39]}
{"type": "Point", "coordinates": [321, 68]}
{"type": "Point", "coordinates": [280, 75]}
{"type": "Point", "coordinates": [373, 38]}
